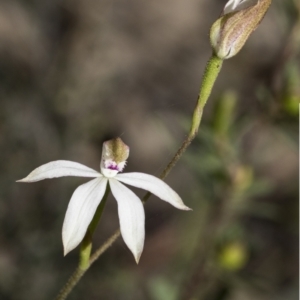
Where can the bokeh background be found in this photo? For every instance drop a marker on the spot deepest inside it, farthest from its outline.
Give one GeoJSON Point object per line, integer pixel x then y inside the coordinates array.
{"type": "Point", "coordinates": [74, 73]}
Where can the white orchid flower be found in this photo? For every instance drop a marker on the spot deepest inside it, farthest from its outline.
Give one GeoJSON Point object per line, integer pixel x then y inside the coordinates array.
{"type": "Point", "coordinates": [87, 197]}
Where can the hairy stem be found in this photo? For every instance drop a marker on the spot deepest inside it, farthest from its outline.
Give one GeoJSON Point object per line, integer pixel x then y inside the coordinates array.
{"type": "Point", "coordinates": [75, 277]}
{"type": "Point", "coordinates": [211, 73]}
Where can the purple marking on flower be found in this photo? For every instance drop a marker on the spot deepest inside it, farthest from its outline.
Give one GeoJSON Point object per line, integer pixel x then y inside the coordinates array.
{"type": "Point", "coordinates": [113, 167]}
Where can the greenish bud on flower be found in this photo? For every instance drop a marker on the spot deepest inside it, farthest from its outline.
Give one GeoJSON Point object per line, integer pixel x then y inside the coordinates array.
{"type": "Point", "coordinates": [114, 156]}
{"type": "Point", "coordinates": [238, 20]}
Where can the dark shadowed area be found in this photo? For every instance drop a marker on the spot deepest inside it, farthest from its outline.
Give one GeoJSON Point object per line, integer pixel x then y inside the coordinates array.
{"type": "Point", "coordinates": [76, 73]}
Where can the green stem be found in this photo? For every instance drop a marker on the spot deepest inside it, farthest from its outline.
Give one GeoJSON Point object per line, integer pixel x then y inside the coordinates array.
{"type": "Point", "coordinates": [99, 212]}
{"type": "Point", "coordinates": [86, 244]}
{"type": "Point", "coordinates": [211, 73]}
{"type": "Point", "coordinates": [85, 252]}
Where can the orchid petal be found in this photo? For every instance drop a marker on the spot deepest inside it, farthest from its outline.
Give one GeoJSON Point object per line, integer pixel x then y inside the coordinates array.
{"type": "Point", "coordinates": [131, 216]}
{"type": "Point", "coordinates": [80, 212]}
{"type": "Point", "coordinates": [60, 168]}
{"type": "Point", "coordinates": [236, 5]}
{"type": "Point", "coordinates": [155, 186]}
{"type": "Point", "coordinates": [231, 5]}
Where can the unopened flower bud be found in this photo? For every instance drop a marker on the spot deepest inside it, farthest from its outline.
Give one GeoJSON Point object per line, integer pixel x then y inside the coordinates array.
{"type": "Point", "coordinates": [114, 156]}
{"type": "Point", "coordinates": [238, 20]}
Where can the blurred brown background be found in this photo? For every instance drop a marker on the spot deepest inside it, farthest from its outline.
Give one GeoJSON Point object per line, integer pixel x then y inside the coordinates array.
{"type": "Point", "coordinates": [75, 73]}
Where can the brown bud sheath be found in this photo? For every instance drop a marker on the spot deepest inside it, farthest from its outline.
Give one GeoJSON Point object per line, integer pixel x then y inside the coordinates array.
{"type": "Point", "coordinates": [231, 31]}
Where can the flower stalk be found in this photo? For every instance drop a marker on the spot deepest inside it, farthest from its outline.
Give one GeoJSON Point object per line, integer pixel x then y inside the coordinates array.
{"type": "Point", "coordinates": [85, 252]}
{"type": "Point", "coordinates": [211, 73]}
{"type": "Point", "coordinates": [99, 211]}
